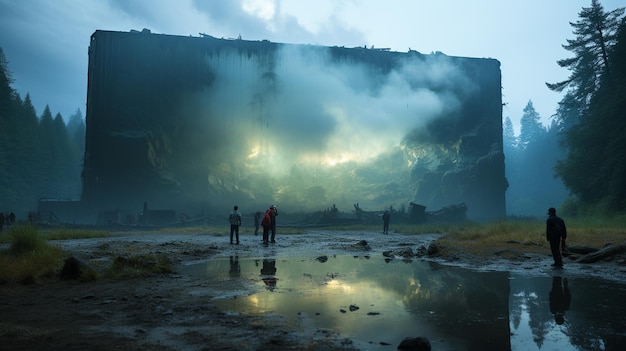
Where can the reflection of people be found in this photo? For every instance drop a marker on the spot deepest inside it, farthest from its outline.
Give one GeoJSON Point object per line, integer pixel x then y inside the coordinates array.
{"type": "Point", "coordinates": [560, 299]}
{"type": "Point", "coordinates": [235, 222]}
{"type": "Point", "coordinates": [268, 271]}
{"type": "Point", "coordinates": [386, 216]}
{"type": "Point", "coordinates": [257, 222]}
{"type": "Point", "coordinates": [235, 269]}
{"type": "Point", "coordinates": [555, 233]}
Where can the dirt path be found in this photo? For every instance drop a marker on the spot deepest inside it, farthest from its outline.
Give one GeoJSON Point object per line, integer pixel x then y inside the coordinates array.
{"type": "Point", "coordinates": [174, 311]}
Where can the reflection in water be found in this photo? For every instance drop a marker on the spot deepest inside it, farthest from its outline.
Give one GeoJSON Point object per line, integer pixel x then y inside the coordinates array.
{"type": "Point", "coordinates": [560, 299]}
{"type": "Point", "coordinates": [268, 274]}
{"type": "Point", "coordinates": [455, 309]}
{"type": "Point", "coordinates": [595, 314]}
{"type": "Point", "coordinates": [235, 269]}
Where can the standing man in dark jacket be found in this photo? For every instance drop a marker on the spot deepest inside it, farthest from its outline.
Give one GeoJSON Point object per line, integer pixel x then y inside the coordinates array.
{"type": "Point", "coordinates": [555, 234]}
{"type": "Point", "coordinates": [386, 216]}
{"type": "Point", "coordinates": [235, 221]}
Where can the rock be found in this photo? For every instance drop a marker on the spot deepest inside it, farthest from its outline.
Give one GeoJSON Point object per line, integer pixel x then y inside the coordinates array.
{"type": "Point", "coordinates": [362, 245]}
{"type": "Point", "coordinates": [414, 344]}
{"type": "Point", "coordinates": [388, 253]}
{"type": "Point", "coordinates": [421, 251]}
{"type": "Point", "coordinates": [406, 252]}
{"type": "Point", "coordinates": [322, 258]}
{"type": "Point", "coordinates": [72, 269]}
{"type": "Point", "coordinates": [433, 249]}
{"type": "Point", "coordinates": [353, 308]}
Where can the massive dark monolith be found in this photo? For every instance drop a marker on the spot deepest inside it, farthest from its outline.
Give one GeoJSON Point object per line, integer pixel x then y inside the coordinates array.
{"type": "Point", "coordinates": [197, 124]}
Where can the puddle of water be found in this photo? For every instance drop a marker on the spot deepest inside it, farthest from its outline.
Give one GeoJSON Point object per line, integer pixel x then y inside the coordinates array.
{"type": "Point", "coordinates": [378, 303]}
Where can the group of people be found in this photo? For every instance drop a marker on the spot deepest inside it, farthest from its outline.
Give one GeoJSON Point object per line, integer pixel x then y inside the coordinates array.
{"type": "Point", "coordinates": [267, 221]}
{"type": "Point", "coordinates": [6, 219]}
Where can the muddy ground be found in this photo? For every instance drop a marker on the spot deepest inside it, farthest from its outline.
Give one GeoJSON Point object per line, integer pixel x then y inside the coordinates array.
{"type": "Point", "coordinates": [174, 311]}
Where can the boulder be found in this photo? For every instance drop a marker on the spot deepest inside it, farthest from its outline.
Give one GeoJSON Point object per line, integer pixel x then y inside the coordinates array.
{"type": "Point", "coordinates": [414, 344]}
{"type": "Point", "coordinates": [72, 269]}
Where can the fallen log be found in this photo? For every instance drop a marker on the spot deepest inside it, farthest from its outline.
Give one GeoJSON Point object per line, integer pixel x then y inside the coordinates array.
{"type": "Point", "coordinates": [580, 249]}
{"type": "Point", "coordinates": [606, 252]}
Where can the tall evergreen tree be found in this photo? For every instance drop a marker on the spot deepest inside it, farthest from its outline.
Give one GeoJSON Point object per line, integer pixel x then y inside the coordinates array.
{"type": "Point", "coordinates": [594, 168]}
{"type": "Point", "coordinates": [595, 32]}
{"type": "Point", "coordinates": [45, 167]}
{"type": "Point", "coordinates": [508, 135]}
{"type": "Point", "coordinates": [76, 130]}
{"type": "Point", "coordinates": [6, 111]}
{"type": "Point", "coordinates": [531, 129]}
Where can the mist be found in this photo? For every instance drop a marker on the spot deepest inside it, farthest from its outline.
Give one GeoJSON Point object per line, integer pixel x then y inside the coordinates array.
{"type": "Point", "coordinates": [319, 132]}
{"type": "Point", "coordinates": [305, 127]}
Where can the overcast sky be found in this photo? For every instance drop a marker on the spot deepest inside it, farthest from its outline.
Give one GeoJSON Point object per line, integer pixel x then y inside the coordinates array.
{"type": "Point", "coordinates": [46, 41]}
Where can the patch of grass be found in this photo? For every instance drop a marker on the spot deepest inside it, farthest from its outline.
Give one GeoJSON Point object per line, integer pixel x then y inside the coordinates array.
{"type": "Point", "coordinates": [480, 238]}
{"type": "Point", "coordinates": [29, 256]}
{"type": "Point", "coordinates": [199, 229]}
{"type": "Point", "coordinates": [139, 266]}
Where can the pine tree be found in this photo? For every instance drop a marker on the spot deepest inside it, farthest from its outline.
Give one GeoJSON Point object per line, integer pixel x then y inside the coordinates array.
{"type": "Point", "coordinates": [594, 168]}
{"type": "Point", "coordinates": [531, 128]}
{"type": "Point", "coordinates": [595, 31]}
{"type": "Point", "coordinates": [508, 135]}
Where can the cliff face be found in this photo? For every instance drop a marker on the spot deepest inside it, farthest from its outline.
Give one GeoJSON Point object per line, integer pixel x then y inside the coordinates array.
{"type": "Point", "coordinates": [190, 123]}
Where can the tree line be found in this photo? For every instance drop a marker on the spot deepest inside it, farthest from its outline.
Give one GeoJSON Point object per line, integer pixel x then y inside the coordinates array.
{"type": "Point", "coordinates": [580, 156]}
{"type": "Point", "coordinates": [40, 156]}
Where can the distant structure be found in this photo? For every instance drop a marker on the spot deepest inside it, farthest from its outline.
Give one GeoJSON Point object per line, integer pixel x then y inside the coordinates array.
{"type": "Point", "coordinates": [146, 145]}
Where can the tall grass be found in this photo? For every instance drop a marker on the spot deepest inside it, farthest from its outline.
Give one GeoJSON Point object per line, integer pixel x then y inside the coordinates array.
{"type": "Point", "coordinates": [481, 237]}
{"type": "Point", "coordinates": [139, 265]}
{"type": "Point", "coordinates": [29, 256]}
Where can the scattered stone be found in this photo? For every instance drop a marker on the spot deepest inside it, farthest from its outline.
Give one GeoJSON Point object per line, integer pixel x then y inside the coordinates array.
{"type": "Point", "coordinates": [388, 253]}
{"type": "Point", "coordinates": [414, 344]}
{"type": "Point", "coordinates": [322, 258]}
{"type": "Point", "coordinates": [342, 310]}
{"type": "Point", "coordinates": [421, 251]}
{"type": "Point", "coordinates": [406, 252]}
{"type": "Point", "coordinates": [353, 308]}
{"type": "Point", "coordinates": [433, 249]}
{"type": "Point", "coordinates": [373, 313]}
{"type": "Point", "coordinates": [362, 245]}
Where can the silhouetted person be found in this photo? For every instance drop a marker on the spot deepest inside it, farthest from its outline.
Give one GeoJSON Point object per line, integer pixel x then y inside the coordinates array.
{"type": "Point", "coordinates": [235, 221]}
{"type": "Point", "coordinates": [386, 217]}
{"type": "Point", "coordinates": [235, 269]}
{"type": "Point", "coordinates": [273, 214]}
{"type": "Point", "coordinates": [268, 271]}
{"type": "Point", "coordinates": [560, 299]}
{"type": "Point", "coordinates": [266, 222]}
{"type": "Point", "coordinates": [555, 233]}
{"type": "Point", "coordinates": [257, 222]}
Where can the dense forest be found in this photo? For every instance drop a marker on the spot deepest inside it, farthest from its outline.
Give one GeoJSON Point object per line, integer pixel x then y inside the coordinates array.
{"type": "Point", "coordinates": [580, 156]}
{"type": "Point", "coordinates": [40, 156]}
{"type": "Point", "coordinates": [577, 160]}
